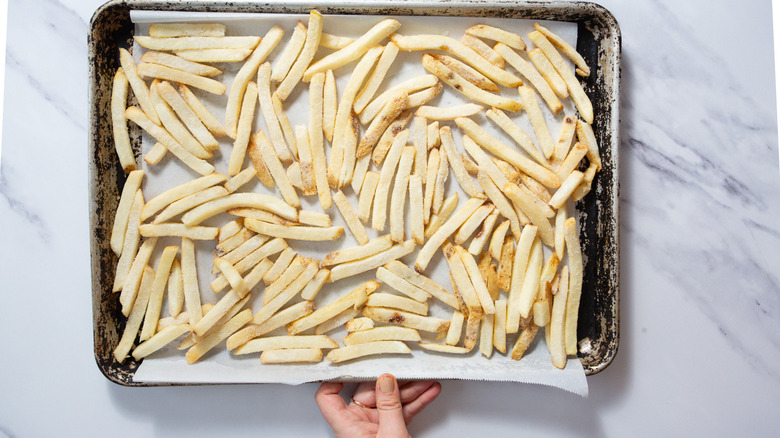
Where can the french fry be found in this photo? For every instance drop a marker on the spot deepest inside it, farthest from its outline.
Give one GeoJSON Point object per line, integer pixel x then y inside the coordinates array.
{"type": "Point", "coordinates": [486, 336]}
{"type": "Point", "coordinates": [119, 122]}
{"type": "Point", "coordinates": [158, 340]}
{"type": "Point", "coordinates": [270, 248]}
{"type": "Point", "coordinates": [585, 186]}
{"type": "Point", "coordinates": [214, 55]}
{"type": "Point", "coordinates": [410, 85]}
{"type": "Point", "coordinates": [169, 30]}
{"type": "Point", "coordinates": [472, 223]}
{"type": "Point", "coordinates": [522, 198]}
{"type": "Point", "coordinates": [356, 267]}
{"type": "Point", "coordinates": [289, 54]}
{"type": "Point", "coordinates": [472, 329]}
{"type": "Point", "coordinates": [528, 292]}
{"type": "Point", "coordinates": [182, 77]}
{"type": "Point", "coordinates": [280, 265]}
{"type": "Point", "coordinates": [295, 233]}
{"type": "Point", "coordinates": [277, 170]}
{"type": "Point", "coordinates": [523, 342]}
{"type": "Point", "coordinates": [480, 287]}
{"type": "Point", "coordinates": [400, 188]}
{"type": "Point", "coordinates": [434, 141]}
{"type": "Point", "coordinates": [558, 321]}
{"type": "Point", "coordinates": [416, 217]}
{"type": "Point", "coordinates": [562, 146]}
{"type": "Point", "coordinates": [187, 115]}
{"type": "Point", "coordinates": [190, 281]}
{"type": "Point", "coordinates": [287, 343]}
{"type": "Point", "coordinates": [155, 154]}
{"type": "Point", "coordinates": [406, 319]}
{"type": "Point", "coordinates": [293, 279]}
{"type": "Point", "coordinates": [179, 230]}
{"type": "Point", "coordinates": [566, 48]}
{"type": "Point", "coordinates": [456, 327]}
{"type": "Point", "coordinates": [385, 177]}
{"type": "Point", "coordinates": [329, 104]}
{"type": "Point", "coordinates": [156, 294]}
{"type": "Point", "coordinates": [354, 50]}
{"type": "Point", "coordinates": [575, 284]}
{"type": "Point", "coordinates": [213, 339]}
{"type": "Point", "coordinates": [519, 267]}
{"type": "Point", "coordinates": [230, 229]}
{"type": "Point", "coordinates": [244, 249]}
{"type": "Point", "coordinates": [449, 227]}
{"type": "Point", "coordinates": [381, 299]}
{"type": "Point", "coordinates": [196, 43]}
{"type": "Point", "coordinates": [269, 114]}
{"type": "Point", "coordinates": [498, 199]}
{"type": "Point", "coordinates": [572, 160]}
{"type": "Point", "coordinates": [179, 192]}
{"type": "Point", "coordinates": [175, 289]}
{"type": "Point", "coordinates": [193, 339]}
{"type": "Point", "coordinates": [254, 213]}
{"type": "Point", "coordinates": [337, 321]}
{"type": "Point", "coordinates": [468, 73]}
{"type": "Point", "coordinates": [396, 104]}
{"type": "Point", "coordinates": [484, 161]}
{"type": "Point", "coordinates": [371, 248]}
{"type": "Point", "coordinates": [351, 136]}
{"type": "Point", "coordinates": [518, 135]}
{"type": "Point", "coordinates": [234, 200]}
{"type": "Point", "coordinates": [440, 348]}
{"type": "Point", "coordinates": [310, 45]}
{"type": "Point", "coordinates": [497, 240]}
{"type": "Point", "coordinates": [461, 279]}
{"type": "Point", "coordinates": [355, 299]}
{"type": "Point", "coordinates": [567, 188]}
{"type": "Point", "coordinates": [479, 240]}
{"type": "Point", "coordinates": [241, 340]}
{"type": "Point", "coordinates": [424, 96]}
{"type": "Point", "coordinates": [451, 113]}
{"type": "Point", "coordinates": [499, 326]}
{"type": "Point", "coordinates": [528, 71]}
{"type": "Point", "coordinates": [377, 76]}
{"type": "Point", "coordinates": [482, 49]}
{"type": "Point", "coordinates": [581, 100]}
{"type": "Point", "coordinates": [140, 90]}
{"type": "Point", "coordinates": [291, 355]}
{"type": "Point", "coordinates": [586, 136]}
{"type": "Point", "coordinates": [442, 173]}
{"type": "Point", "coordinates": [512, 40]}
{"type": "Point", "coordinates": [454, 160]}
{"type": "Point", "coordinates": [202, 112]}
{"type": "Point", "coordinates": [135, 317]}
{"type": "Point", "coordinates": [234, 278]}
{"type": "Point", "coordinates": [240, 180]}
{"type": "Point", "coordinates": [334, 42]}
{"type": "Point", "coordinates": [359, 324]}
{"type": "Point", "coordinates": [132, 281]}
{"type": "Point", "coordinates": [244, 130]}
{"type": "Point", "coordinates": [422, 282]}
{"type": "Point", "coordinates": [352, 352]}
{"type": "Point", "coordinates": [179, 63]}
{"type": "Point", "coordinates": [315, 140]}
{"type": "Point", "coordinates": [505, 264]}
{"type": "Point", "coordinates": [469, 164]}
{"type": "Point", "coordinates": [177, 207]}
{"type": "Point", "coordinates": [456, 81]}
{"type": "Point", "coordinates": [389, 333]}
{"type": "Point", "coordinates": [361, 167]}
{"type": "Point", "coordinates": [122, 216]}
{"type": "Point", "coordinates": [353, 223]}
{"type": "Point", "coordinates": [396, 282]}
{"type": "Point", "coordinates": [548, 72]}
{"type": "Point", "coordinates": [314, 285]}
{"type": "Point", "coordinates": [430, 183]}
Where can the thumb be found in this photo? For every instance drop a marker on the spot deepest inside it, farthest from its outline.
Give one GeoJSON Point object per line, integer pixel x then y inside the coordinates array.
{"type": "Point", "coordinates": [388, 406]}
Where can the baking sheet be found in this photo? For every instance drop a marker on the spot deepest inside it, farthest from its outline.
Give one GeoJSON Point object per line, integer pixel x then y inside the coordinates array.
{"type": "Point", "coordinates": [219, 366]}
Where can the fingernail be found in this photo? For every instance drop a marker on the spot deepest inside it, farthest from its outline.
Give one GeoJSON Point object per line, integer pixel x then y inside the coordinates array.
{"type": "Point", "coordinates": [386, 384]}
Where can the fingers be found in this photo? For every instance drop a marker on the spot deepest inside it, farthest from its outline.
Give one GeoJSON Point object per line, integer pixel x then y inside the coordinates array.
{"type": "Point", "coordinates": [414, 407]}
{"type": "Point", "coordinates": [330, 402]}
{"type": "Point", "coordinates": [388, 405]}
{"type": "Point", "coordinates": [409, 391]}
{"type": "Point", "coordinates": [365, 394]}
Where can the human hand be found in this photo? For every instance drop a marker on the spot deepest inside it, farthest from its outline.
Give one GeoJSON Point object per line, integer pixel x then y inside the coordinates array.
{"type": "Point", "coordinates": [380, 409]}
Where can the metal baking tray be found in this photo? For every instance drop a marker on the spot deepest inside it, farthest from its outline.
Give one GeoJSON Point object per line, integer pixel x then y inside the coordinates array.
{"type": "Point", "coordinates": [599, 41]}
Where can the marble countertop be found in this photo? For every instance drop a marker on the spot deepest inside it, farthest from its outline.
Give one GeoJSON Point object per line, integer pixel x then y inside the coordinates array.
{"type": "Point", "coordinates": [700, 253]}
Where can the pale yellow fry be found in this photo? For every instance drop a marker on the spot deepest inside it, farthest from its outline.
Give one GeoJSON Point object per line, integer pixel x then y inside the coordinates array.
{"type": "Point", "coordinates": [511, 39]}
{"type": "Point", "coordinates": [385, 142]}
{"type": "Point", "coordinates": [179, 230]}
{"type": "Point", "coordinates": [442, 173]}
{"type": "Point", "coordinates": [162, 136]}
{"type": "Point", "coordinates": [533, 76]}
{"type": "Point", "coordinates": [548, 72]}
{"type": "Point", "coordinates": [314, 218]}
{"type": "Point", "coordinates": [190, 201]}
{"type": "Point", "coordinates": [566, 48]}
{"type": "Point", "coordinates": [337, 321]}
{"type": "Point", "coordinates": [456, 327]}
{"type": "Point", "coordinates": [287, 276]}
{"type": "Point", "coordinates": [284, 123]}
{"type": "Point", "coordinates": [450, 113]}
{"type": "Point", "coordinates": [310, 45]}
{"type": "Point", "coordinates": [233, 242]}
{"type": "Point", "coordinates": [179, 63]}
{"type": "Point", "coordinates": [373, 247]}
{"type": "Point", "coordinates": [162, 72]}
{"type": "Point", "coordinates": [382, 299]}
{"type": "Point", "coordinates": [377, 76]}
{"type": "Point", "coordinates": [395, 105]}
{"type": "Point", "coordinates": [203, 113]}
{"type": "Point", "coordinates": [230, 229]}
{"type": "Point", "coordinates": [355, 298]}
{"type": "Point", "coordinates": [289, 54]}
{"type": "Point", "coordinates": [388, 333]}
{"type": "Point", "coordinates": [213, 55]}
{"type": "Point", "coordinates": [119, 123]}
{"type": "Point", "coordinates": [354, 50]}
{"type": "Point", "coordinates": [528, 292]}
{"type": "Point", "coordinates": [575, 283]}
{"type": "Point", "coordinates": [329, 104]}
{"type": "Point", "coordinates": [280, 265]}
{"type": "Point", "coordinates": [140, 91]}
{"type": "Point", "coordinates": [277, 170]}
{"type": "Point", "coordinates": [478, 281]}
{"type": "Point", "coordinates": [498, 199]}
{"type": "Point", "coordinates": [406, 319]}
{"type": "Point", "coordinates": [294, 233]}
{"type": "Point", "coordinates": [558, 321]}
{"type": "Point", "coordinates": [482, 49]}
{"type": "Point", "coordinates": [244, 130]}
{"type": "Point", "coordinates": [244, 249]}
{"type": "Point", "coordinates": [213, 339]}
{"type": "Point", "coordinates": [176, 128]}
{"type": "Point", "coordinates": [190, 279]}
{"type": "Point", "coordinates": [238, 181]}
{"type": "Point", "coordinates": [401, 285]}
{"type": "Point", "coordinates": [240, 340]}
{"type": "Point", "coordinates": [135, 316]}
{"type": "Point", "coordinates": [481, 237]}
{"type": "Point", "coordinates": [486, 336]}
{"type": "Point", "coordinates": [175, 289]}
{"type": "Point", "coordinates": [430, 183]}
{"type": "Point", "coordinates": [352, 352]}
{"type": "Point", "coordinates": [315, 140]}
{"type": "Point", "coordinates": [122, 216]}
{"type": "Point", "coordinates": [287, 342]}
{"type": "Point", "coordinates": [163, 30]}
{"type": "Point", "coordinates": [572, 161]}
{"type": "Point", "coordinates": [472, 223]}
{"type": "Point", "coordinates": [356, 267]}
{"type": "Point", "coordinates": [133, 279]}
{"type": "Point", "coordinates": [461, 280]}
{"type": "Point", "coordinates": [334, 42]}
{"type": "Point", "coordinates": [587, 181]}
{"type": "Point", "coordinates": [273, 127]}
{"type": "Point", "coordinates": [292, 355]}
{"type": "Point", "coordinates": [440, 348]}
{"type": "Point", "coordinates": [385, 177]}
{"type": "Point", "coordinates": [523, 342]}
{"type": "Point", "coordinates": [449, 227]}
{"type": "Point", "coordinates": [519, 265]}
{"type": "Point", "coordinates": [562, 146]}
{"type": "Point", "coordinates": [359, 324]}
{"type": "Point", "coordinates": [586, 136]}
{"type": "Point", "coordinates": [432, 135]}
{"type": "Point", "coordinates": [308, 182]}
{"type": "Point", "coordinates": [160, 339]}
{"type": "Point", "coordinates": [194, 43]}
{"type": "Point", "coordinates": [420, 141]}
{"type": "Point", "coordinates": [227, 269]}
{"type": "Point", "coordinates": [505, 264]}
{"type": "Point", "coordinates": [193, 339]}
{"type": "Point", "coordinates": [472, 329]}
{"type": "Point", "coordinates": [581, 100]}
{"type": "Point", "coordinates": [361, 168]}
{"type": "Point", "coordinates": [410, 85]}
{"type": "Point", "coordinates": [523, 199]}
{"type": "Point", "coordinates": [187, 115]}
{"type": "Point", "coordinates": [567, 188]}
{"type": "Point", "coordinates": [366, 199]}
{"type": "Point", "coordinates": [348, 213]}
{"type": "Point", "coordinates": [497, 240]}
{"type": "Point", "coordinates": [518, 135]}
{"type": "Point", "coordinates": [416, 217]}
{"type": "Point", "coordinates": [400, 188]}
{"type": "Point", "coordinates": [315, 284]}
{"type": "Point", "coordinates": [499, 326]}
{"type": "Point", "coordinates": [235, 200]}
{"type": "Point", "coordinates": [309, 271]}
{"type": "Point", "coordinates": [456, 81]}
{"type": "Point", "coordinates": [157, 293]}
{"type": "Point", "coordinates": [454, 47]}
{"type": "Point", "coordinates": [155, 154]}
{"type": "Point", "coordinates": [422, 282]}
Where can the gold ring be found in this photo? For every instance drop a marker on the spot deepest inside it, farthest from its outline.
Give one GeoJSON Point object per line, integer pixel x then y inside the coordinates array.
{"type": "Point", "coordinates": [360, 404]}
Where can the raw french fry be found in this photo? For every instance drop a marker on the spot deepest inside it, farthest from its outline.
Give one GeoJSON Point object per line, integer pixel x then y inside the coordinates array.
{"type": "Point", "coordinates": [400, 188]}
{"type": "Point", "coordinates": [434, 141]}
{"type": "Point", "coordinates": [122, 216]}
{"type": "Point", "coordinates": [560, 239]}
{"type": "Point", "coordinates": [179, 63]}
{"type": "Point", "coordinates": [581, 101]}
{"type": "Point", "coordinates": [193, 339]}
{"type": "Point", "coordinates": [410, 86]}
{"type": "Point", "coordinates": [512, 40]}
{"type": "Point", "coordinates": [182, 77]}
{"type": "Point", "coordinates": [456, 81]}
{"type": "Point", "coordinates": [518, 135]}
{"type": "Point", "coordinates": [233, 242]}
{"type": "Point", "coordinates": [567, 188]}
{"type": "Point", "coordinates": [135, 316]}
{"type": "Point", "coordinates": [479, 240]}
{"type": "Point", "coordinates": [140, 90]}
{"type": "Point", "coordinates": [572, 160]}
{"type": "Point", "coordinates": [289, 54]}
{"type": "Point", "coordinates": [352, 352]}
{"type": "Point", "coordinates": [280, 266]}
{"type": "Point", "coordinates": [449, 227]}
{"type": "Point", "coordinates": [440, 348]}
{"type": "Point", "coordinates": [133, 279]}
{"type": "Point", "coordinates": [388, 333]}
{"type": "Point", "coordinates": [566, 48]}
{"type": "Point", "coordinates": [190, 281]}
{"type": "Point", "coordinates": [287, 343]}
{"type": "Point", "coordinates": [385, 177]}
{"type": "Point", "coordinates": [162, 136]}
{"type": "Point", "coordinates": [334, 42]}
{"type": "Point", "coordinates": [575, 283]}
{"type": "Point", "coordinates": [468, 73]}
{"type": "Point", "coordinates": [528, 71]}
{"type": "Point", "coordinates": [213, 55]}
{"type": "Point", "coordinates": [356, 298]}
{"type": "Point", "coordinates": [422, 282]}
{"type": "Point", "coordinates": [416, 217]}
{"type": "Point", "coordinates": [356, 267]}
{"type": "Point", "coordinates": [240, 180]}
{"type": "Point", "coordinates": [361, 167]}
{"type": "Point", "coordinates": [458, 49]}
{"type": "Point", "coordinates": [442, 173]}
{"type": "Point", "coordinates": [244, 130]}
{"type": "Point", "coordinates": [337, 321]}
{"type": "Point", "coordinates": [291, 355]}
{"type": "Point", "coordinates": [562, 146]}
{"type": "Point", "coordinates": [168, 30]}
{"type": "Point", "coordinates": [519, 266]}
{"type": "Point", "coordinates": [455, 161]}
{"type": "Point", "coordinates": [233, 277]}
{"type": "Point", "coordinates": [396, 282]}
{"type": "Point", "coordinates": [160, 339]}
{"type": "Point", "coordinates": [203, 113]}
{"type": "Point", "coordinates": [484, 161]}
{"type": "Point", "coordinates": [350, 147]}
{"type": "Point", "coordinates": [179, 192]}
{"type": "Point", "coordinates": [472, 329]}
{"type": "Point", "coordinates": [243, 250]}
{"type": "Point", "coordinates": [270, 248]}
{"type": "Point", "coordinates": [253, 200]}
{"type": "Point", "coordinates": [424, 96]}
{"type": "Point", "coordinates": [461, 279]}
{"type": "Point", "coordinates": [330, 104]}
{"type": "Point", "coordinates": [277, 170]}
{"type": "Point", "coordinates": [213, 339]}
{"type": "Point", "coordinates": [523, 199]}
{"type": "Point", "coordinates": [472, 223]}
{"type": "Point", "coordinates": [396, 103]}
{"type": "Point", "coordinates": [179, 230]}
{"type": "Point", "coordinates": [585, 186]}
{"type": "Point", "coordinates": [498, 199]}
{"type": "Point", "coordinates": [480, 287]}
{"type": "Point", "coordinates": [469, 164]}
{"type": "Point", "coordinates": [497, 240]}
{"type": "Point", "coordinates": [315, 140]}
{"type": "Point", "coordinates": [175, 289]}
{"type": "Point", "coordinates": [586, 136]}
{"type": "Point", "coordinates": [310, 45]}
{"type": "Point", "coordinates": [523, 342]}
{"type": "Point", "coordinates": [377, 76]}
{"type": "Point", "coordinates": [505, 264]}
{"type": "Point", "coordinates": [196, 43]}
{"type": "Point", "coordinates": [294, 233]}
{"type": "Point", "coordinates": [174, 127]}
{"type": "Point", "coordinates": [359, 324]}
{"type": "Point", "coordinates": [486, 336]}
{"type": "Point", "coordinates": [558, 321]}
{"type": "Point", "coordinates": [314, 218]}
{"type": "Point", "coordinates": [430, 183]}
{"type": "Point", "coordinates": [269, 114]}
{"type": "Point", "coordinates": [119, 123]}
{"type": "Point", "coordinates": [548, 72]}
{"type": "Point", "coordinates": [381, 299]}
{"type": "Point", "coordinates": [353, 223]}
{"type": "Point", "coordinates": [230, 229]}
{"type": "Point", "coordinates": [353, 51]}
{"type": "Point", "coordinates": [238, 340]}
{"type": "Point", "coordinates": [368, 189]}
{"type": "Point", "coordinates": [499, 326]}
{"type": "Point", "coordinates": [187, 115]}
{"type": "Point", "coordinates": [483, 50]}
{"type": "Point", "coordinates": [155, 154]}
{"type": "Point", "coordinates": [315, 284]}
{"type": "Point", "coordinates": [528, 292]}
{"type": "Point", "coordinates": [406, 319]}
{"type": "Point", "coordinates": [291, 280]}
{"type": "Point", "coordinates": [456, 327]}
{"type": "Point", "coordinates": [156, 294]}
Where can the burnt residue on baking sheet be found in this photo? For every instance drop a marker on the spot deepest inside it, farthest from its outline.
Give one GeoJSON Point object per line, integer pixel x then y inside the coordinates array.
{"type": "Point", "coordinates": [598, 41]}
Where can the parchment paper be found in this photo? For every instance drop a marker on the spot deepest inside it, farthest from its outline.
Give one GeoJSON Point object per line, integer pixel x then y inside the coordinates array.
{"type": "Point", "coordinates": [220, 366]}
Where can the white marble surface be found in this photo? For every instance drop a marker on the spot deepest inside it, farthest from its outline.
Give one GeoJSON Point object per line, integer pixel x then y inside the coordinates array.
{"type": "Point", "coordinates": [700, 239]}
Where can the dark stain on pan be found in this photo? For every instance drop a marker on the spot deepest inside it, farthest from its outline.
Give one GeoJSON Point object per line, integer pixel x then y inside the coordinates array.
{"type": "Point", "coordinates": [599, 42]}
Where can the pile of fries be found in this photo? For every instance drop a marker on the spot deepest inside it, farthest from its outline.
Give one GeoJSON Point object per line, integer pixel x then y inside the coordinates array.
{"type": "Point", "coordinates": [502, 284]}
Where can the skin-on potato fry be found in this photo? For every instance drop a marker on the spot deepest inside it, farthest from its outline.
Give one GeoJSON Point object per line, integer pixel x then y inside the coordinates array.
{"type": "Point", "coordinates": [396, 103]}
{"type": "Point", "coordinates": [310, 45]}
{"type": "Point", "coordinates": [351, 352]}
{"type": "Point", "coordinates": [481, 237]}
{"type": "Point", "coordinates": [480, 287]}
{"type": "Point", "coordinates": [169, 30]}
{"type": "Point", "coordinates": [505, 264]}
{"type": "Point", "coordinates": [119, 122]}
{"type": "Point", "coordinates": [410, 85]}
{"type": "Point", "coordinates": [472, 329]}
{"type": "Point", "coordinates": [523, 342]}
